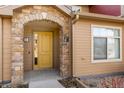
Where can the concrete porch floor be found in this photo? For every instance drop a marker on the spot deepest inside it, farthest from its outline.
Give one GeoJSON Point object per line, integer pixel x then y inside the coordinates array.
{"type": "Point", "coordinates": [43, 79]}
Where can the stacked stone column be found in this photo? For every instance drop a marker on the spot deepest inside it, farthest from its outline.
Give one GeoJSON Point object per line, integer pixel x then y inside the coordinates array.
{"type": "Point", "coordinates": [17, 55]}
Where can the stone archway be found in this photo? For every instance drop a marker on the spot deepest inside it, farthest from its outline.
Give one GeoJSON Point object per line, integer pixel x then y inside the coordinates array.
{"type": "Point", "coordinates": [36, 13]}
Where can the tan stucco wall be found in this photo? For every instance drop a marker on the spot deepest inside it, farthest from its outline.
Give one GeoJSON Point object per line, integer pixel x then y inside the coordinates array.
{"type": "Point", "coordinates": [56, 50]}
{"type": "Point", "coordinates": [82, 50]}
{"type": "Point", "coordinates": [28, 48]}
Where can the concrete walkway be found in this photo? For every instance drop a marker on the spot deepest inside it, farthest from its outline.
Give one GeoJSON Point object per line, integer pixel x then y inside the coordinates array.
{"type": "Point", "coordinates": [43, 79]}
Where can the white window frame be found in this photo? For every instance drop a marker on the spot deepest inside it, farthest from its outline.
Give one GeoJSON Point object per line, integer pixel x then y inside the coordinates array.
{"type": "Point", "coordinates": [92, 46]}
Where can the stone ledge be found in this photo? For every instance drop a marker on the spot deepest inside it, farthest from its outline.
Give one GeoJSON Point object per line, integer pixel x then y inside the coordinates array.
{"type": "Point", "coordinates": [72, 82]}
{"type": "Point", "coordinates": [21, 85]}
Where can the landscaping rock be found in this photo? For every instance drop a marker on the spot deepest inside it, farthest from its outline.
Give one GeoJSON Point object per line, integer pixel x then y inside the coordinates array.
{"type": "Point", "coordinates": [106, 82]}
{"type": "Point", "coordinates": [70, 82]}
{"type": "Point", "coordinates": [102, 82]}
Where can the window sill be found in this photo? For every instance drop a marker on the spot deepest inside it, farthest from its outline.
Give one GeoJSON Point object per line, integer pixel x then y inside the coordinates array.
{"type": "Point", "coordinates": [107, 61]}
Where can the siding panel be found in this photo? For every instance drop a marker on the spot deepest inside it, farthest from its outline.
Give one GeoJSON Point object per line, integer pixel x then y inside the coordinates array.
{"type": "Point", "coordinates": [7, 49]}
{"type": "Point", "coordinates": [82, 50]}
{"type": "Point", "coordinates": [0, 49]}
{"type": "Point", "coordinates": [84, 8]}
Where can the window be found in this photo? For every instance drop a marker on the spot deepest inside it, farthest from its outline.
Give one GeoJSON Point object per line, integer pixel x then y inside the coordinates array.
{"type": "Point", "coordinates": [100, 49]}
{"type": "Point", "coordinates": [106, 43]}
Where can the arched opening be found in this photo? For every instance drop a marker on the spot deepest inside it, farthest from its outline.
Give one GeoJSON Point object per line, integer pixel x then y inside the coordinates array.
{"type": "Point", "coordinates": [19, 39]}
{"type": "Point", "coordinates": [41, 48]}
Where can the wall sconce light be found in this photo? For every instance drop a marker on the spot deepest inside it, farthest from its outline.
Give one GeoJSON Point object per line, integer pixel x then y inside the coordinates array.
{"type": "Point", "coordinates": [26, 39]}
{"type": "Point", "coordinates": [66, 38]}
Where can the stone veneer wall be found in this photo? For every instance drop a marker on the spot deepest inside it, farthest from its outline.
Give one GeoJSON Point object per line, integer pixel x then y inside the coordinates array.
{"type": "Point", "coordinates": [26, 14]}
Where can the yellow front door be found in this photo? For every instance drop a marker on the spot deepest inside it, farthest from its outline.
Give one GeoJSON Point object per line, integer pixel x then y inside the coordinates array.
{"type": "Point", "coordinates": [44, 50]}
